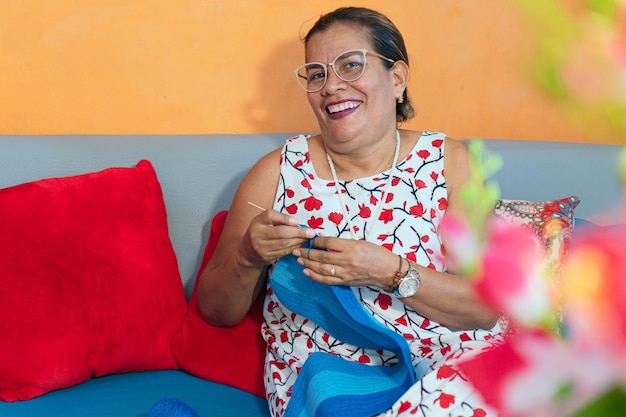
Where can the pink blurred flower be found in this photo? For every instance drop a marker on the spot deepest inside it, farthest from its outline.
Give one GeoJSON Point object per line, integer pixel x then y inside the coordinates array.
{"type": "Point", "coordinates": [462, 246]}
{"type": "Point", "coordinates": [511, 277]}
{"type": "Point", "coordinates": [595, 290]}
{"type": "Point", "coordinates": [536, 374]}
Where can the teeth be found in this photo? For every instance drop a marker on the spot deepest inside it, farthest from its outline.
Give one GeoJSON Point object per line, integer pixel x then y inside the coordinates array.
{"type": "Point", "coordinates": [343, 106]}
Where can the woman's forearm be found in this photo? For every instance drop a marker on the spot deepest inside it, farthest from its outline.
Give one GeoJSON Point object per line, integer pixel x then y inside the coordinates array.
{"type": "Point", "coordinates": [227, 291]}
{"type": "Point", "coordinates": [450, 300]}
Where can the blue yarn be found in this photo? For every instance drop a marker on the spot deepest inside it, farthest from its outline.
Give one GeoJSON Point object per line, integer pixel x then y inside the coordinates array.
{"type": "Point", "coordinates": [171, 408]}
{"type": "Point", "coordinates": [328, 385]}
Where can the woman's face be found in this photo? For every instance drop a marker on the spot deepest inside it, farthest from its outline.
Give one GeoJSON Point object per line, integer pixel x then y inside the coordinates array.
{"type": "Point", "coordinates": [348, 109]}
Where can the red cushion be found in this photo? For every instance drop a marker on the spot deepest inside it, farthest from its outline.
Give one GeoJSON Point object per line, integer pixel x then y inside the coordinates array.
{"type": "Point", "coordinates": [228, 355]}
{"type": "Point", "coordinates": [89, 278]}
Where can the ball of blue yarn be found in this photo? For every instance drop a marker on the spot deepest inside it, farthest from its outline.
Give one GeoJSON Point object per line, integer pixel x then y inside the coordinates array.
{"type": "Point", "coordinates": [171, 408]}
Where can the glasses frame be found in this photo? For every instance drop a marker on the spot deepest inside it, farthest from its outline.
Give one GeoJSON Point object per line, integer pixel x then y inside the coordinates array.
{"type": "Point", "coordinates": [331, 64]}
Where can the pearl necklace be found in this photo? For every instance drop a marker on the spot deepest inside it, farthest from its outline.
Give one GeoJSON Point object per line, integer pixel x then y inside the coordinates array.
{"type": "Point", "coordinates": [344, 208]}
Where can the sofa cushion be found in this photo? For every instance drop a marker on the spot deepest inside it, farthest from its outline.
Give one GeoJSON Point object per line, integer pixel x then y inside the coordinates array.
{"type": "Point", "coordinates": [133, 394]}
{"type": "Point", "coordinates": [228, 355]}
{"type": "Point", "coordinates": [89, 278]}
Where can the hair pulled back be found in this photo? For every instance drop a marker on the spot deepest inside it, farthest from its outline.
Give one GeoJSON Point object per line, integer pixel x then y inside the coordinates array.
{"type": "Point", "coordinates": [385, 38]}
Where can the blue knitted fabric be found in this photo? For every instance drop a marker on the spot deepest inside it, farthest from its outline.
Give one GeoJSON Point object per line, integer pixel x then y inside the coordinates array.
{"type": "Point", "coordinates": [328, 385]}
{"type": "Point", "coordinates": [171, 408]}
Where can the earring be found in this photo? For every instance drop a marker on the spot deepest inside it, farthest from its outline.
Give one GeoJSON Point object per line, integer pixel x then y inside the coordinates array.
{"type": "Point", "coordinates": [401, 99]}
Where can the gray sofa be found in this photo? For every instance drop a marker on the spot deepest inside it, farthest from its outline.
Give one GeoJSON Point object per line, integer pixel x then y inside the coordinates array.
{"type": "Point", "coordinates": [198, 176]}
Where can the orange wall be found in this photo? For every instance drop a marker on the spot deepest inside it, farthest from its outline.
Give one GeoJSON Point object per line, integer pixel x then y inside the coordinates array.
{"type": "Point", "coordinates": [225, 66]}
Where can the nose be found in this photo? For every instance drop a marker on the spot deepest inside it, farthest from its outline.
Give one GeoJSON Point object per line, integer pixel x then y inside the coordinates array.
{"type": "Point", "coordinates": [333, 82]}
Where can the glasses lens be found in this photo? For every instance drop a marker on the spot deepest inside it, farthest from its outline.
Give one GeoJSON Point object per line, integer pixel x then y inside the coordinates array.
{"type": "Point", "coordinates": [350, 65]}
{"type": "Point", "coordinates": [312, 76]}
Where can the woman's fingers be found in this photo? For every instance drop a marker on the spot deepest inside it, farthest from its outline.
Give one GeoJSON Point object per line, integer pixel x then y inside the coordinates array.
{"type": "Point", "coordinates": [337, 261]}
{"type": "Point", "coordinates": [319, 265]}
{"type": "Point", "coordinates": [325, 273]}
{"type": "Point", "coordinates": [273, 235]}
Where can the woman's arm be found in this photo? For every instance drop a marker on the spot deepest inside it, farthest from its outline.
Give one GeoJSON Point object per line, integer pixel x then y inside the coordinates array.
{"type": "Point", "coordinates": [251, 240]}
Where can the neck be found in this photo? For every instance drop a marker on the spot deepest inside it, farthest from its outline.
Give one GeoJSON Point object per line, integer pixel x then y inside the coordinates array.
{"type": "Point", "coordinates": [368, 229]}
{"type": "Point", "coordinates": [364, 161]}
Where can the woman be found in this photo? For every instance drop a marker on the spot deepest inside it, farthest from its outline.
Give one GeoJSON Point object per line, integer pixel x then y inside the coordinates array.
{"type": "Point", "coordinates": [375, 274]}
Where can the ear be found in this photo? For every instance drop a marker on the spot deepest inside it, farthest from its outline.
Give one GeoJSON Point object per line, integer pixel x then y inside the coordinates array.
{"type": "Point", "coordinates": [401, 74]}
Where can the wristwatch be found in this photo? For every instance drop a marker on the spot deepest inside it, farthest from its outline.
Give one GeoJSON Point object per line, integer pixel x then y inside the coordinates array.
{"type": "Point", "coordinates": [408, 284]}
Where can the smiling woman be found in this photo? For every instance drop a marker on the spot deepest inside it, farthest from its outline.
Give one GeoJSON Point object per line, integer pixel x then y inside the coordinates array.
{"type": "Point", "coordinates": [135, 67]}
{"type": "Point", "coordinates": [362, 316]}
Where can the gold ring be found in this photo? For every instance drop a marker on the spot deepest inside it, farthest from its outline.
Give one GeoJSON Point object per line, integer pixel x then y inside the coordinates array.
{"type": "Point", "coordinates": [332, 270]}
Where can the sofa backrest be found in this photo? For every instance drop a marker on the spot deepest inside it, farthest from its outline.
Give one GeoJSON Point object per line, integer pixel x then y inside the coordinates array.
{"type": "Point", "coordinates": [542, 170]}
{"type": "Point", "coordinates": [199, 173]}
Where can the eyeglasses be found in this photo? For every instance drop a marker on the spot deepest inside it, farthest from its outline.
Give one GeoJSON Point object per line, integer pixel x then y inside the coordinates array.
{"type": "Point", "coordinates": [348, 66]}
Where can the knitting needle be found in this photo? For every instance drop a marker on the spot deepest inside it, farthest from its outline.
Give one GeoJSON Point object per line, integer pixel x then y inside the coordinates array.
{"type": "Point", "coordinates": [262, 209]}
{"type": "Point", "coordinates": [256, 205]}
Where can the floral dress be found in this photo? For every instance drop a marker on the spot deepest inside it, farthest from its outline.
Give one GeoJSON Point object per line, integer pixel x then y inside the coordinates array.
{"type": "Point", "coordinates": [407, 224]}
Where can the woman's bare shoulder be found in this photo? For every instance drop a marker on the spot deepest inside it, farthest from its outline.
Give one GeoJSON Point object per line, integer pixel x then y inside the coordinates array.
{"type": "Point", "coordinates": [457, 157]}
{"type": "Point", "coordinates": [455, 149]}
{"type": "Point", "coordinates": [266, 168]}
{"type": "Point", "coordinates": [260, 183]}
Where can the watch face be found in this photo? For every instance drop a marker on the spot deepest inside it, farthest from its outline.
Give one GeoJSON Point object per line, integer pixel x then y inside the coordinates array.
{"type": "Point", "coordinates": [408, 287]}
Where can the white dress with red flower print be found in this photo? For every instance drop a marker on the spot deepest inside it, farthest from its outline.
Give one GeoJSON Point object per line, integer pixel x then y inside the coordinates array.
{"type": "Point", "coordinates": [407, 225]}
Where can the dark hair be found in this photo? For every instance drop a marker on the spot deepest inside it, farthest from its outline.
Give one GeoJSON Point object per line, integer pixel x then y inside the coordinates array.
{"type": "Point", "coordinates": [385, 37]}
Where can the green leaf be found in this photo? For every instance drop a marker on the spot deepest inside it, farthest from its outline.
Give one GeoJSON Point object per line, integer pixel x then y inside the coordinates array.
{"type": "Point", "coordinates": [612, 403]}
{"type": "Point", "coordinates": [480, 193]}
{"type": "Point", "coordinates": [607, 8]}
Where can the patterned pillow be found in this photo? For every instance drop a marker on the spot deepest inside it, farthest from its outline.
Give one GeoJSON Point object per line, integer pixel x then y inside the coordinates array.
{"type": "Point", "coordinates": [552, 222]}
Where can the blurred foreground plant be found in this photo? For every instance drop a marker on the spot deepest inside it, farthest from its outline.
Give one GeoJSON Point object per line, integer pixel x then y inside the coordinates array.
{"type": "Point", "coordinates": [544, 368]}
{"type": "Point", "coordinates": [580, 57]}
{"type": "Point", "coordinates": [548, 368]}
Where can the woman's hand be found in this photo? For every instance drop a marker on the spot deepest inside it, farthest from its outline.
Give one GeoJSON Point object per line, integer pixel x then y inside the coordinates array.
{"type": "Point", "coordinates": [272, 235]}
{"type": "Point", "coordinates": [337, 261]}
{"type": "Point", "coordinates": [442, 297]}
